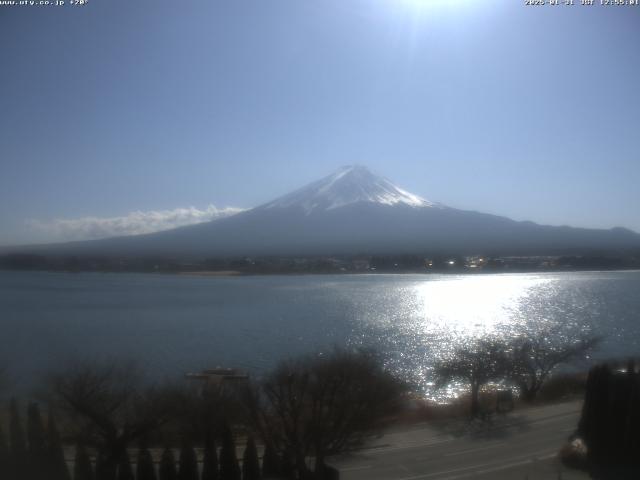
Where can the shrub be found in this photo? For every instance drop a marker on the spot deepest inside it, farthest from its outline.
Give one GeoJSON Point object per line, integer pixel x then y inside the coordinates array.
{"type": "Point", "coordinates": [188, 463]}
{"type": "Point", "coordinates": [125, 472]}
{"type": "Point", "coordinates": [56, 463]}
{"type": "Point", "coordinates": [250, 463]}
{"type": "Point", "coordinates": [145, 469]}
{"type": "Point", "coordinates": [82, 469]}
{"type": "Point", "coordinates": [210, 462]}
{"type": "Point", "coordinates": [168, 466]}
{"type": "Point", "coordinates": [270, 462]}
{"type": "Point", "coordinates": [229, 469]}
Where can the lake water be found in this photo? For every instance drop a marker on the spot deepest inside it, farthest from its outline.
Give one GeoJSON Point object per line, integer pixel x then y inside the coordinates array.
{"type": "Point", "coordinates": [172, 324]}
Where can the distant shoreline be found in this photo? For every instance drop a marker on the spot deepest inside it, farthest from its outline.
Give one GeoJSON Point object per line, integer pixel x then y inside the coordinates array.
{"type": "Point", "coordinates": [326, 264]}
{"type": "Point", "coordinates": [220, 273]}
{"type": "Point", "coordinates": [237, 273]}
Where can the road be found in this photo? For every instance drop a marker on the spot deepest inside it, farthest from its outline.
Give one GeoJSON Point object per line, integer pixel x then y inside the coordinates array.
{"type": "Point", "coordinates": [521, 445]}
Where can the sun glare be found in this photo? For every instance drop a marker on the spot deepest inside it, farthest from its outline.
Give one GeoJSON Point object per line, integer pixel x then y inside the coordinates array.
{"type": "Point", "coordinates": [414, 15]}
{"type": "Point", "coordinates": [424, 4]}
{"type": "Point", "coordinates": [471, 305]}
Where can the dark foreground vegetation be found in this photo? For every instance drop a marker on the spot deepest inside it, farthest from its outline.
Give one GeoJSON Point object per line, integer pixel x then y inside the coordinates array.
{"type": "Point", "coordinates": [112, 424]}
{"type": "Point", "coordinates": [607, 442]}
{"type": "Point", "coordinates": [525, 362]}
{"type": "Point", "coordinates": [116, 426]}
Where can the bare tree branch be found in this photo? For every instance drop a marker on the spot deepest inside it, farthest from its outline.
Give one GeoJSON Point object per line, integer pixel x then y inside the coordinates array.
{"type": "Point", "coordinates": [320, 406]}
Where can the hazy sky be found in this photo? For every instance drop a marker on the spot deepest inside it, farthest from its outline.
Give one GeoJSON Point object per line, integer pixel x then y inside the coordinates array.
{"type": "Point", "coordinates": [149, 106]}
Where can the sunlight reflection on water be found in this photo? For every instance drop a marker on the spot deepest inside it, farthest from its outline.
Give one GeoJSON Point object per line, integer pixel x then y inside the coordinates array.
{"type": "Point", "coordinates": [469, 306]}
{"type": "Point", "coordinates": [430, 318]}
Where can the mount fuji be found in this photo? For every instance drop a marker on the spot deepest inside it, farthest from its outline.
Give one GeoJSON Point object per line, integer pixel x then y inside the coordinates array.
{"type": "Point", "coordinates": [354, 211]}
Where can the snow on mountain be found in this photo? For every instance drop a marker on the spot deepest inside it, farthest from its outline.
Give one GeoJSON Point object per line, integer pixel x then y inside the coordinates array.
{"type": "Point", "coordinates": [348, 185]}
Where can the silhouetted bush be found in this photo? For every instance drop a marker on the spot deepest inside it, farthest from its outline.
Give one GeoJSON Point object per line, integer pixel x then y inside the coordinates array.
{"type": "Point", "coordinates": [610, 420]}
{"type": "Point", "coordinates": [144, 468]}
{"type": "Point", "coordinates": [229, 469]}
{"type": "Point", "coordinates": [56, 464]}
{"type": "Point", "coordinates": [561, 386]}
{"type": "Point", "coordinates": [287, 466]}
{"type": "Point", "coordinates": [82, 469]}
{"type": "Point", "coordinates": [5, 471]}
{"type": "Point", "coordinates": [37, 443]}
{"type": "Point", "coordinates": [250, 462]}
{"type": "Point", "coordinates": [167, 469]}
{"type": "Point", "coordinates": [188, 463]}
{"type": "Point", "coordinates": [210, 461]}
{"type": "Point", "coordinates": [270, 462]}
{"type": "Point", "coordinates": [125, 472]}
{"type": "Point", "coordinates": [106, 468]}
{"type": "Point", "coordinates": [18, 457]}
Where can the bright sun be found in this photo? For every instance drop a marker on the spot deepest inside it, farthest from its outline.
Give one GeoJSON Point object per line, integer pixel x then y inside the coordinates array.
{"type": "Point", "coordinates": [428, 4]}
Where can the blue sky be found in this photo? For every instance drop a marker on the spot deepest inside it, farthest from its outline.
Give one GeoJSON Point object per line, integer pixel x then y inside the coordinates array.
{"type": "Point", "coordinates": [147, 106]}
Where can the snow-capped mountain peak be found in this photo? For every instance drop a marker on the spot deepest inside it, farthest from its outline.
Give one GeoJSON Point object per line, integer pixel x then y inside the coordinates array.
{"type": "Point", "coordinates": [348, 185]}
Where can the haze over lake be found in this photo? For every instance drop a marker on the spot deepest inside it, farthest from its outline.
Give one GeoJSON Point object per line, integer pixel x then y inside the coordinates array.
{"type": "Point", "coordinates": [173, 324]}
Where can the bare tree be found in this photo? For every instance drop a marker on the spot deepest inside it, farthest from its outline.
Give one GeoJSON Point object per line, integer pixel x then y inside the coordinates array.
{"type": "Point", "coordinates": [534, 356]}
{"type": "Point", "coordinates": [109, 406]}
{"type": "Point", "coordinates": [321, 406]}
{"type": "Point", "coordinates": [483, 361]}
{"type": "Point", "coordinates": [201, 411]}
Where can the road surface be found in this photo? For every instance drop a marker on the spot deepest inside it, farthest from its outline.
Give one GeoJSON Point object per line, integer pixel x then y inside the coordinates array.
{"type": "Point", "coordinates": [518, 446]}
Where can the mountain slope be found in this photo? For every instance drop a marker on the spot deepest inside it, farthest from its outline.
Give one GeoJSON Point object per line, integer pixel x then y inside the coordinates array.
{"type": "Point", "coordinates": [354, 211]}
